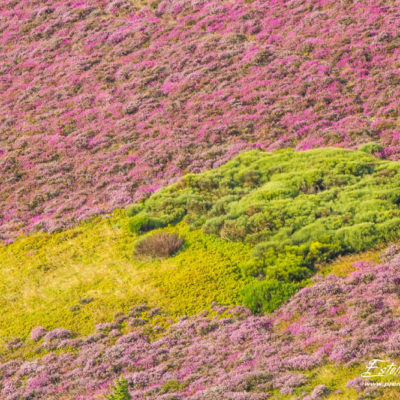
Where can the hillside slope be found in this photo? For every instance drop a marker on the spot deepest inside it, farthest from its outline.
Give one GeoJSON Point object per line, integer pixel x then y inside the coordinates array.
{"type": "Point", "coordinates": [82, 307]}
{"type": "Point", "coordinates": [261, 223]}
{"type": "Point", "coordinates": [103, 102]}
{"type": "Point", "coordinates": [315, 346]}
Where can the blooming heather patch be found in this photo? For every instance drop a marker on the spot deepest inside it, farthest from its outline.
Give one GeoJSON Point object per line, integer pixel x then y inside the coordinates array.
{"type": "Point", "coordinates": [230, 354]}
{"type": "Point", "coordinates": [103, 102]}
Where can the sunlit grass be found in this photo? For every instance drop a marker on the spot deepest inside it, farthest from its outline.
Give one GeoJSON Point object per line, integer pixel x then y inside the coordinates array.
{"type": "Point", "coordinates": [44, 278]}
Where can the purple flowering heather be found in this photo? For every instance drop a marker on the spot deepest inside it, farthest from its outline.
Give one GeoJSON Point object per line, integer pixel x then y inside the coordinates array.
{"type": "Point", "coordinates": [37, 333]}
{"type": "Point", "coordinates": [104, 102]}
{"type": "Point", "coordinates": [230, 355]}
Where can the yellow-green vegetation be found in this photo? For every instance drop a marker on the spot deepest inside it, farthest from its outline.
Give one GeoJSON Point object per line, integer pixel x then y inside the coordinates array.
{"type": "Point", "coordinates": [343, 265]}
{"type": "Point", "coordinates": [297, 210]}
{"type": "Point", "coordinates": [77, 278]}
{"type": "Point", "coordinates": [335, 377]}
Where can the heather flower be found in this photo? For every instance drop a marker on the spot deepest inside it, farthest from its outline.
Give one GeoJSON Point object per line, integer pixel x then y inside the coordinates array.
{"type": "Point", "coordinates": [357, 383]}
{"type": "Point", "coordinates": [154, 311]}
{"type": "Point", "coordinates": [304, 362]}
{"type": "Point", "coordinates": [14, 343]}
{"type": "Point", "coordinates": [136, 321]}
{"type": "Point", "coordinates": [57, 333]}
{"type": "Point", "coordinates": [114, 333]}
{"type": "Point", "coordinates": [319, 392]}
{"type": "Point", "coordinates": [390, 253]}
{"type": "Point", "coordinates": [137, 310]}
{"type": "Point", "coordinates": [235, 58]}
{"type": "Point", "coordinates": [289, 380]}
{"type": "Point", "coordinates": [106, 326]}
{"type": "Point", "coordinates": [120, 319]}
{"type": "Point", "coordinates": [37, 333]}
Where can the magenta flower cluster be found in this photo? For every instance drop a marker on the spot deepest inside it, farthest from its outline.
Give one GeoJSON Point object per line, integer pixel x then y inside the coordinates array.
{"type": "Point", "coordinates": [103, 102]}
{"type": "Point", "coordinates": [227, 354]}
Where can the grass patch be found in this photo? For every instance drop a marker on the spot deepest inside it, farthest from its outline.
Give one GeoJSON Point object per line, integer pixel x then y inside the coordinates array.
{"type": "Point", "coordinates": [45, 277]}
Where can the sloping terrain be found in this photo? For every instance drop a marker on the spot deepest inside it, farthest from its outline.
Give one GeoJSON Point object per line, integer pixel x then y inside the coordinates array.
{"type": "Point", "coordinates": [81, 308]}
{"type": "Point", "coordinates": [279, 215]}
{"type": "Point", "coordinates": [103, 102]}
{"type": "Point", "coordinates": [315, 346]}
{"type": "Point", "coordinates": [200, 198]}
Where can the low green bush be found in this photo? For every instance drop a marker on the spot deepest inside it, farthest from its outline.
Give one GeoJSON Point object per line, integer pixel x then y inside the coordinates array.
{"type": "Point", "coordinates": [371, 148]}
{"type": "Point", "coordinates": [120, 391]}
{"type": "Point", "coordinates": [139, 223]}
{"type": "Point", "coordinates": [267, 295]}
{"type": "Point", "coordinates": [134, 209]}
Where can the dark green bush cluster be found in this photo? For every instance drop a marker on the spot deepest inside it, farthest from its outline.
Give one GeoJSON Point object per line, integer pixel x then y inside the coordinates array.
{"type": "Point", "coordinates": [371, 148]}
{"type": "Point", "coordinates": [296, 208]}
{"type": "Point", "coordinates": [120, 391]}
{"type": "Point", "coordinates": [267, 295]}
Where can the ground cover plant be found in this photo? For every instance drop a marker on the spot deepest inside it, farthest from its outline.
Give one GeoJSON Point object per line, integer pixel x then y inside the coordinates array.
{"type": "Point", "coordinates": [105, 101]}
{"type": "Point", "coordinates": [314, 347]}
{"type": "Point", "coordinates": [296, 209]}
{"type": "Point", "coordinates": [80, 277]}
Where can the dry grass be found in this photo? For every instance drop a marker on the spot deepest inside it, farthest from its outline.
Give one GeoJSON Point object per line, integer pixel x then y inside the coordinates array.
{"type": "Point", "coordinates": [162, 244]}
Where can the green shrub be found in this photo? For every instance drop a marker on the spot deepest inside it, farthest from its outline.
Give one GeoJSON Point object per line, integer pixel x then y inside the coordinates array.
{"type": "Point", "coordinates": [358, 237]}
{"type": "Point", "coordinates": [234, 230]}
{"type": "Point", "coordinates": [266, 252]}
{"type": "Point", "coordinates": [253, 268]}
{"type": "Point", "coordinates": [139, 223]}
{"type": "Point", "coordinates": [248, 177]}
{"type": "Point", "coordinates": [296, 209]}
{"type": "Point", "coordinates": [371, 148]}
{"type": "Point", "coordinates": [134, 209]}
{"type": "Point", "coordinates": [222, 206]}
{"type": "Point", "coordinates": [214, 225]}
{"type": "Point", "coordinates": [266, 296]}
{"type": "Point", "coordinates": [389, 230]}
{"type": "Point", "coordinates": [142, 223]}
{"type": "Point", "coordinates": [172, 386]}
{"type": "Point", "coordinates": [120, 391]}
{"type": "Point", "coordinates": [322, 252]}
{"type": "Point", "coordinates": [197, 205]}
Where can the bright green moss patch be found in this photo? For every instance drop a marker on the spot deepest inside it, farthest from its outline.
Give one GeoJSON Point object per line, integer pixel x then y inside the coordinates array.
{"type": "Point", "coordinates": [324, 202]}
{"type": "Point", "coordinates": [45, 280]}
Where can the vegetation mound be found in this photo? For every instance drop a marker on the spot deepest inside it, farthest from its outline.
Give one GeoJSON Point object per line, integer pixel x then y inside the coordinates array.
{"type": "Point", "coordinates": [296, 209]}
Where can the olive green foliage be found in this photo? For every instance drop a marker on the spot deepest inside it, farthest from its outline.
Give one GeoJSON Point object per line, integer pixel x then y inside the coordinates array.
{"type": "Point", "coordinates": [120, 391]}
{"type": "Point", "coordinates": [371, 148]}
{"type": "Point", "coordinates": [134, 209]}
{"type": "Point", "coordinates": [267, 295]}
{"type": "Point", "coordinates": [172, 386]}
{"type": "Point", "coordinates": [296, 208]}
